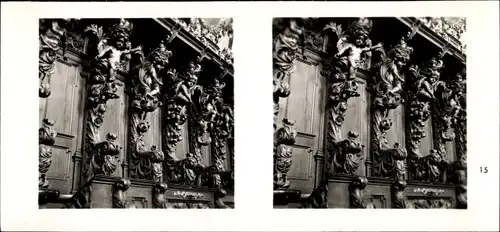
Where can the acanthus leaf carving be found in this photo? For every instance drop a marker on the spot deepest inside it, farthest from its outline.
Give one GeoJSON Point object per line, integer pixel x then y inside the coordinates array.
{"type": "Point", "coordinates": [389, 162]}
{"type": "Point", "coordinates": [283, 139]}
{"type": "Point", "coordinates": [46, 138]}
{"type": "Point", "coordinates": [145, 88]}
{"type": "Point", "coordinates": [52, 34]}
{"type": "Point", "coordinates": [103, 157]}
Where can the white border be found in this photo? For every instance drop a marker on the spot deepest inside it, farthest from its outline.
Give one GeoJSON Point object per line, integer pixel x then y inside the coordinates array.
{"type": "Point", "coordinates": [252, 50]}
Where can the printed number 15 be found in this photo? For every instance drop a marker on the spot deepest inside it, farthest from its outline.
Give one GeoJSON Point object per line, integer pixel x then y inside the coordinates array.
{"type": "Point", "coordinates": [484, 169]}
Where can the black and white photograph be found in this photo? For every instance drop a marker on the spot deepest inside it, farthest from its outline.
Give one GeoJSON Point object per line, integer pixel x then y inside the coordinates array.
{"type": "Point", "coordinates": [136, 113]}
{"type": "Point", "coordinates": [370, 113]}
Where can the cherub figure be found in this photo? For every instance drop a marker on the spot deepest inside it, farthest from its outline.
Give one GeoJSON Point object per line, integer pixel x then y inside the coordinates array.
{"type": "Point", "coordinates": [352, 51]}
{"type": "Point", "coordinates": [429, 78]}
{"type": "Point", "coordinates": [112, 50]}
{"type": "Point", "coordinates": [185, 88]}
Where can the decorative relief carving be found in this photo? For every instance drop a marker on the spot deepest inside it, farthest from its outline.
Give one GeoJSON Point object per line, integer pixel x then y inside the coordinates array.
{"type": "Point", "coordinates": [120, 194]}
{"type": "Point", "coordinates": [81, 199]}
{"type": "Point", "coordinates": [461, 193]}
{"type": "Point", "coordinates": [188, 195]}
{"type": "Point", "coordinates": [217, 37]}
{"type": "Point", "coordinates": [317, 198]}
{"type": "Point", "coordinates": [356, 188]}
{"type": "Point", "coordinates": [189, 205]}
{"type": "Point", "coordinates": [46, 138]}
{"type": "Point", "coordinates": [219, 203]}
{"type": "Point", "coordinates": [145, 89]}
{"type": "Point", "coordinates": [159, 198]}
{"type": "Point", "coordinates": [398, 195]}
{"type": "Point", "coordinates": [352, 47]}
{"type": "Point", "coordinates": [437, 203]}
{"type": "Point", "coordinates": [51, 35]}
{"type": "Point", "coordinates": [447, 27]}
{"type": "Point", "coordinates": [103, 157]}
{"type": "Point", "coordinates": [283, 139]}
{"type": "Point", "coordinates": [389, 162]}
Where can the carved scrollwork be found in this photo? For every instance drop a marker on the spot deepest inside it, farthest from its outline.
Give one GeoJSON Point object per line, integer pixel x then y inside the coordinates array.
{"type": "Point", "coordinates": [145, 88]}
{"type": "Point", "coordinates": [159, 198]}
{"type": "Point", "coordinates": [398, 195]}
{"type": "Point", "coordinates": [285, 48]}
{"type": "Point", "coordinates": [102, 88]}
{"type": "Point", "coordinates": [46, 138]}
{"type": "Point", "coordinates": [283, 139]}
{"type": "Point", "coordinates": [430, 203]}
{"type": "Point", "coordinates": [356, 188]}
{"type": "Point", "coordinates": [52, 34]}
{"type": "Point", "coordinates": [389, 162]}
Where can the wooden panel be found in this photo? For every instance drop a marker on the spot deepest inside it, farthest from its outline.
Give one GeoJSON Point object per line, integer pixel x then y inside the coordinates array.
{"type": "Point", "coordinates": [426, 143]}
{"type": "Point", "coordinates": [303, 85]}
{"type": "Point", "coordinates": [115, 121]}
{"type": "Point", "coordinates": [319, 110]}
{"type": "Point", "coordinates": [397, 132]}
{"type": "Point", "coordinates": [59, 103]}
{"type": "Point", "coordinates": [183, 145]}
{"type": "Point", "coordinates": [358, 119]}
{"type": "Point", "coordinates": [301, 171]}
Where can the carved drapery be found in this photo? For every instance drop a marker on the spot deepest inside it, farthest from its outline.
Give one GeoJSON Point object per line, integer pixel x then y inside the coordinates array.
{"type": "Point", "coordinates": [389, 161]}
{"type": "Point", "coordinates": [104, 157]}
{"type": "Point", "coordinates": [46, 138]}
{"type": "Point", "coordinates": [145, 89]}
{"type": "Point", "coordinates": [353, 48]}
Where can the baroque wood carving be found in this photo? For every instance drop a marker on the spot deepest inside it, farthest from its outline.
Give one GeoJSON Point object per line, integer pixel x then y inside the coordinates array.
{"type": "Point", "coordinates": [120, 199]}
{"type": "Point", "coordinates": [431, 97]}
{"type": "Point", "coordinates": [104, 157]}
{"type": "Point", "coordinates": [389, 161]}
{"type": "Point", "coordinates": [432, 203]}
{"type": "Point", "coordinates": [145, 90]}
{"type": "Point", "coordinates": [398, 195]}
{"type": "Point", "coordinates": [356, 195]}
{"type": "Point", "coordinates": [46, 138]}
{"type": "Point", "coordinates": [353, 44]}
{"type": "Point", "coordinates": [283, 139]}
{"type": "Point", "coordinates": [52, 34]}
{"type": "Point", "coordinates": [159, 198]}
{"type": "Point", "coordinates": [81, 199]}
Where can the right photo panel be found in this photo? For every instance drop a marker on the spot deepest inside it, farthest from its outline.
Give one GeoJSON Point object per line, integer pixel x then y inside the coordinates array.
{"type": "Point", "coordinates": [370, 113]}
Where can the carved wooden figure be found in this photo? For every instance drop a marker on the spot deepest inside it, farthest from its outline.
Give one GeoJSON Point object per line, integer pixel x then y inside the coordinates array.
{"type": "Point", "coordinates": [399, 195]}
{"type": "Point", "coordinates": [356, 188]}
{"type": "Point", "coordinates": [344, 155]}
{"type": "Point", "coordinates": [120, 194]}
{"type": "Point", "coordinates": [159, 198]}
{"type": "Point", "coordinates": [145, 88]}
{"type": "Point", "coordinates": [103, 158]}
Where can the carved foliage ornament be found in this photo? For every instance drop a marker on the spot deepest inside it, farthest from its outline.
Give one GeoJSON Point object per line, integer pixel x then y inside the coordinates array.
{"type": "Point", "coordinates": [283, 139]}
{"type": "Point", "coordinates": [285, 47]}
{"type": "Point", "coordinates": [52, 33]}
{"type": "Point", "coordinates": [389, 162]}
{"type": "Point", "coordinates": [46, 138]}
{"type": "Point", "coordinates": [103, 158]}
{"type": "Point", "coordinates": [145, 88]}
{"type": "Point", "coordinates": [352, 45]}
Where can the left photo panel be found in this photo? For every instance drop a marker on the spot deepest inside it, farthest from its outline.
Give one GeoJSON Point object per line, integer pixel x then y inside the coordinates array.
{"type": "Point", "coordinates": [136, 113]}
